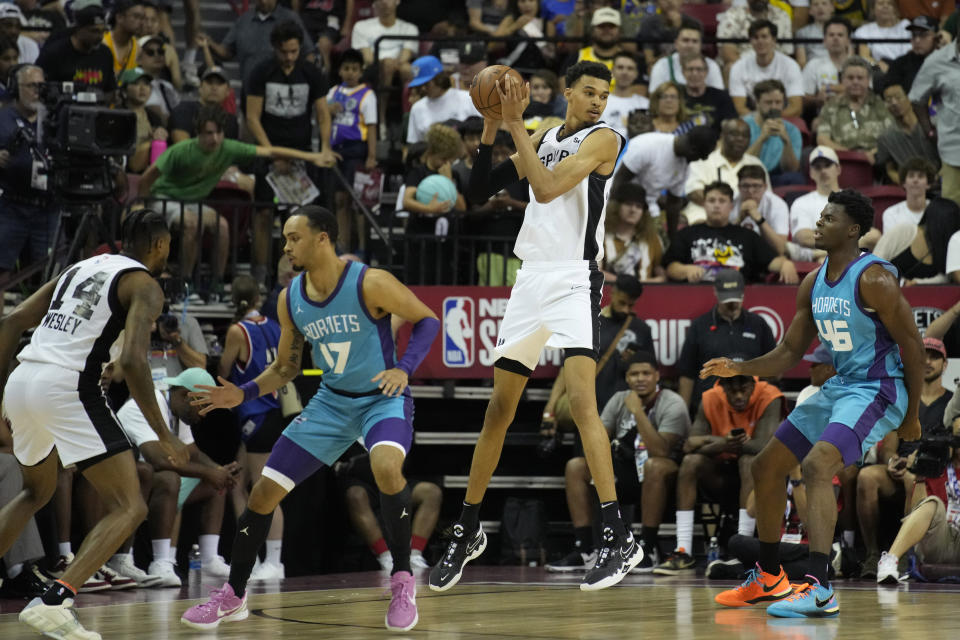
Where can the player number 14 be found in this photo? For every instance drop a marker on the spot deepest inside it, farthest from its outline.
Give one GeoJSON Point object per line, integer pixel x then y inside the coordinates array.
{"type": "Point", "coordinates": [834, 332]}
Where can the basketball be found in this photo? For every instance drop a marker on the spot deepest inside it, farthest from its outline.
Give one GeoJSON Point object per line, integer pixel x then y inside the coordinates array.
{"type": "Point", "coordinates": [438, 185]}
{"type": "Point", "coordinates": [483, 91]}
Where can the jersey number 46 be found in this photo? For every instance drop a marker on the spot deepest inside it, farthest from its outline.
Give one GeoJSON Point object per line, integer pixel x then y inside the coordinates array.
{"type": "Point", "coordinates": [834, 332]}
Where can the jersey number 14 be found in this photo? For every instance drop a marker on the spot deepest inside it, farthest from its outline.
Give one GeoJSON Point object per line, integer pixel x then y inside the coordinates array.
{"type": "Point", "coordinates": [834, 332]}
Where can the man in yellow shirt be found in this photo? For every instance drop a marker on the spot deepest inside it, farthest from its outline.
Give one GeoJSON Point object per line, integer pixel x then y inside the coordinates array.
{"type": "Point", "coordinates": [126, 23]}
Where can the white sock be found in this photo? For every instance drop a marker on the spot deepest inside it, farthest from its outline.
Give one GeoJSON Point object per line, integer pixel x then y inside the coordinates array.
{"type": "Point", "coordinates": [273, 551]}
{"type": "Point", "coordinates": [208, 546]}
{"type": "Point", "coordinates": [64, 548]}
{"type": "Point", "coordinates": [190, 55]}
{"type": "Point", "coordinates": [849, 538]}
{"type": "Point", "coordinates": [14, 570]}
{"type": "Point", "coordinates": [685, 531]}
{"type": "Point", "coordinates": [172, 555]}
{"type": "Point", "coordinates": [746, 524]}
{"type": "Point", "coordinates": [415, 552]}
{"type": "Point", "coordinates": [161, 549]}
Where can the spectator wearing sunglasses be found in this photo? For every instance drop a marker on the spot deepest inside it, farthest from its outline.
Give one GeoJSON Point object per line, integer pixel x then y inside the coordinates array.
{"type": "Point", "coordinates": [164, 96]}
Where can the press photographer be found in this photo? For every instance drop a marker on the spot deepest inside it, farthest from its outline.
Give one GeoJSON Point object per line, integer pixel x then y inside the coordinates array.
{"type": "Point", "coordinates": [27, 221]}
{"type": "Point", "coordinates": [177, 342]}
{"type": "Point", "coordinates": [934, 523]}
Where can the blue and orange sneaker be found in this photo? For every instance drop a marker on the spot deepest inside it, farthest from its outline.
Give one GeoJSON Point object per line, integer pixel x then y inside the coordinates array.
{"type": "Point", "coordinates": [810, 600]}
{"type": "Point", "coordinates": [759, 587]}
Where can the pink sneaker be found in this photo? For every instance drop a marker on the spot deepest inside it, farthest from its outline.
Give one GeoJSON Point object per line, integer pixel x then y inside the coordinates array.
{"type": "Point", "coordinates": [402, 614]}
{"type": "Point", "coordinates": [223, 606]}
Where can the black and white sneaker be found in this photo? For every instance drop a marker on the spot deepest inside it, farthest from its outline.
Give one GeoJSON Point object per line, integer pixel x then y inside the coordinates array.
{"type": "Point", "coordinates": [616, 558]}
{"type": "Point", "coordinates": [651, 558]}
{"type": "Point", "coordinates": [731, 569]}
{"type": "Point", "coordinates": [460, 551]}
{"type": "Point", "coordinates": [574, 561]}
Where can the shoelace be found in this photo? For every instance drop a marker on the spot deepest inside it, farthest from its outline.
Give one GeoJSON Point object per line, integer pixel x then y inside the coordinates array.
{"type": "Point", "coordinates": [216, 595]}
{"type": "Point", "coordinates": [607, 549]}
{"type": "Point", "coordinates": [801, 591]}
{"type": "Point", "coordinates": [399, 589]}
{"type": "Point", "coordinates": [752, 576]}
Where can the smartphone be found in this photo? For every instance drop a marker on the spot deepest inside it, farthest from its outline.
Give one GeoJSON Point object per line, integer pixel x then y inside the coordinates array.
{"type": "Point", "coordinates": [736, 433]}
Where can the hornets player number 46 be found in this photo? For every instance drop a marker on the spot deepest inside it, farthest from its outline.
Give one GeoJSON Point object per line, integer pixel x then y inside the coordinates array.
{"type": "Point", "coordinates": [854, 303]}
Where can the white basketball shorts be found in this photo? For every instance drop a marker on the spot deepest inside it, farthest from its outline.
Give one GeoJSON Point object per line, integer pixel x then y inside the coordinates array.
{"type": "Point", "coordinates": [49, 406]}
{"type": "Point", "coordinates": [555, 304]}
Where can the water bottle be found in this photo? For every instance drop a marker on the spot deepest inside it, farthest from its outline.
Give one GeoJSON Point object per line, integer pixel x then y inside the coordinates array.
{"type": "Point", "coordinates": [195, 564]}
{"type": "Point", "coordinates": [640, 456]}
{"type": "Point", "coordinates": [713, 551]}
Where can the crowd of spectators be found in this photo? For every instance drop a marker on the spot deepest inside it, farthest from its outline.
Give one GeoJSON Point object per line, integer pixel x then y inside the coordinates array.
{"type": "Point", "coordinates": [320, 80]}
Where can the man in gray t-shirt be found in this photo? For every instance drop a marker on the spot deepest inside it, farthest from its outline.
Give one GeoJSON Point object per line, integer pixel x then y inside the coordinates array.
{"type": "Point", "coordinates": [647, 424]}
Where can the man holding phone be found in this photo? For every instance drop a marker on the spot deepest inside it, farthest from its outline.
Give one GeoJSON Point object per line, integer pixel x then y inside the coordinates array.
{"type": "Point", "coordinates": [736, 419]}
{"type": "Point", "coordinates": [772, 139]}
{"type": "Point", "coordinates": [888, 481]}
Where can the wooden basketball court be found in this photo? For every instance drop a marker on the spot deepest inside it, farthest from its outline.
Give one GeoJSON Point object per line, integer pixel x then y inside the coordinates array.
{"type": "Point", "coordinates": [516, 603]}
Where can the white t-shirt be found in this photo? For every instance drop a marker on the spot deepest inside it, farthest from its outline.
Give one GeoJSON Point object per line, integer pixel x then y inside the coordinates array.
{"type": "Point", "coordinates": [772, 208]}
{"type": "Point", "coordinates": [819, 72]}
{"type": "Point", "coordinates": [746, 73]}
{"type": "Point", "coordinates": [901, 214]}
{"type": "Point", "coordinates": [454, 104]}
{"type": "Point", "coordinates": [619, 108]}
{"type": "Point", "coordinates": [714, 167]}
{"type": "Point", "coordinates": [137, 428]}
{"type": "Point", "coordinates": [953, 254]}
{"type": "Point", "coordinates": [660, 72]}
{"type": "Point", "coordinates": [805, 211]}
{"type": "Point", "coordinates": [885, 50]}
{"type": "Point", "coordinates": [29, 50]}
{"type": "Point", "coordinates": [650, 156]}
{"type": "Point", "coordinates": [366, 32]}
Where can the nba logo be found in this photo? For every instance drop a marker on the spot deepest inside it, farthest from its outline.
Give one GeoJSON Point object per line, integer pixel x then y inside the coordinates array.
{"type": "Point", "coordinates": [458, 337]}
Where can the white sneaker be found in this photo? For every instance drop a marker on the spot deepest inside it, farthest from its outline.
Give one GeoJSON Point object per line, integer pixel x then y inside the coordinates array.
{"type": "Point", "coordinates": [267, 571]}
{"type": "Point", "coordinates": [215, 567]}
{"type": "Point", "coordinates": [887, 571]}
{"type": "Point", "coordinates": [116, 581]}
{"type": "Point", "coordinates": [386, 562]}
{"type": "Point", "coordinates": [417, 561]}
{"type": "Point", "coordinates": [164, 569]}
{"type": "Point", "coordinates": [96, 582]}
{"type": "Point", "coordinates": [123, 564]}
{"type": "Point", "coordinates": [58, 621]}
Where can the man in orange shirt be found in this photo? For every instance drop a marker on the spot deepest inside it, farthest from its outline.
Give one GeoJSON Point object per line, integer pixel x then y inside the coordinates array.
{"type": "Point", "coordinates": [735, 420]}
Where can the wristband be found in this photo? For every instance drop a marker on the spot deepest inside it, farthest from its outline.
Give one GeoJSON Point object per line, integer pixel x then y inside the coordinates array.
{"type": "Point", "coordinates": [761, 221]}
{"type": "Point", "coordinates": [250, 390]}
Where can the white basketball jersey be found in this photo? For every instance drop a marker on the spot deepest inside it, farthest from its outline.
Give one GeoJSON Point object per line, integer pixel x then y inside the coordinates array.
{"type": "Point", "coordinates": [571, 226]}
{"type": "Point", "coordinates": [84, 324]}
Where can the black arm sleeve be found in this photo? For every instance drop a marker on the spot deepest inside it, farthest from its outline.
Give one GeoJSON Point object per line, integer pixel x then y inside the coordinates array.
{"type": "Point", "coordinates": [485, 182]}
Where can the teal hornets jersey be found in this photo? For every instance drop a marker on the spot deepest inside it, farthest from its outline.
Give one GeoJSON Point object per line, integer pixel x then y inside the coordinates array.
{"type": "Point", "coordinates": [861, 346]}
{"type": "Point", "coordinates": [348, 344]}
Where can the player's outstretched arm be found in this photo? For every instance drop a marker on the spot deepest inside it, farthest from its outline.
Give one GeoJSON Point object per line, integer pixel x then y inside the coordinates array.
{"type": "Point", "coordinates": [598, 152]}
{"type": "Point", "coordinates": [142, 297]}
{"type": "Point", "coordinates": [880, 291]}
{"type": "Point", "coordinates": [384, 294]}
{"type": "Point", "coordinates": [281, 371]}
{"type": "Point", "coordinates": [26, 315]}
{"type": "Point", "coordinates": [785, 355]}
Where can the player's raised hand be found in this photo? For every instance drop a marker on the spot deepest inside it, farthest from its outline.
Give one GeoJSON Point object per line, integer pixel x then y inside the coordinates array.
{"type": "Point", "coordinates": [391, 382]}
{"type": "Point", "coordinates": [514, 97]}
{"type": "Point", "coordinates": [722, 367]}
{"type": "Point", "coordinates": [209, 398]}
{"type": "Point", "coordinates": [909, 429]}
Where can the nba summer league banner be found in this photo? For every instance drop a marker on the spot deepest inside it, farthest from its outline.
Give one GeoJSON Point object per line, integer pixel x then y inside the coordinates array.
{"type": "Point", "coordinates": [470, 318]}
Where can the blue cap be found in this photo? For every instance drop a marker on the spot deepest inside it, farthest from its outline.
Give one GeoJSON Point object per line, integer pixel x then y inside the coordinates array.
{"type": "Point", "coordinates": [820, 355]}
{"type": "Point", "coordinates": [424, 69]}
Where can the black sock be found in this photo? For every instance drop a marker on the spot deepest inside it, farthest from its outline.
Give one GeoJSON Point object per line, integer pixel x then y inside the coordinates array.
{"type": "Point", "coordinates": [584, 537]}
{"type": "Point", "coordinates": [650, 536]}
{"type": "Point", "coordinates": [818, 567]}
{"type": "Point", "coordinates": [610, 516]}
{"type": "Point", "coordinates": [470, 517]}
{"type": "Point", "coordinates": [770, 557]}
{"type": "Point", "coordinates": [397, 518]}
{"type": "Point", "coordinates": [252, 531]}
{"type": "Point", "coordinates": [56, 593]}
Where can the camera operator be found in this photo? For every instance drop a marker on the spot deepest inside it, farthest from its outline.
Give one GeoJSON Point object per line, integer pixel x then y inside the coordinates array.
{"type": "Point", "coordinates": [934, 523]}
{"type": "Point", "coordinates": [26, 220]}
{"type": "Point", "coordinates": [177, 342]}
{"type": "Point", "coordinates": [82, 57]}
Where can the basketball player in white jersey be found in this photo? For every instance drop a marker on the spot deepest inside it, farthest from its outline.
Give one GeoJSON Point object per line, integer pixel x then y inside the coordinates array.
{"type": "Point", "coordinates": [555, 301]}
{"type": "Point", "coordinates": [99, 310]}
